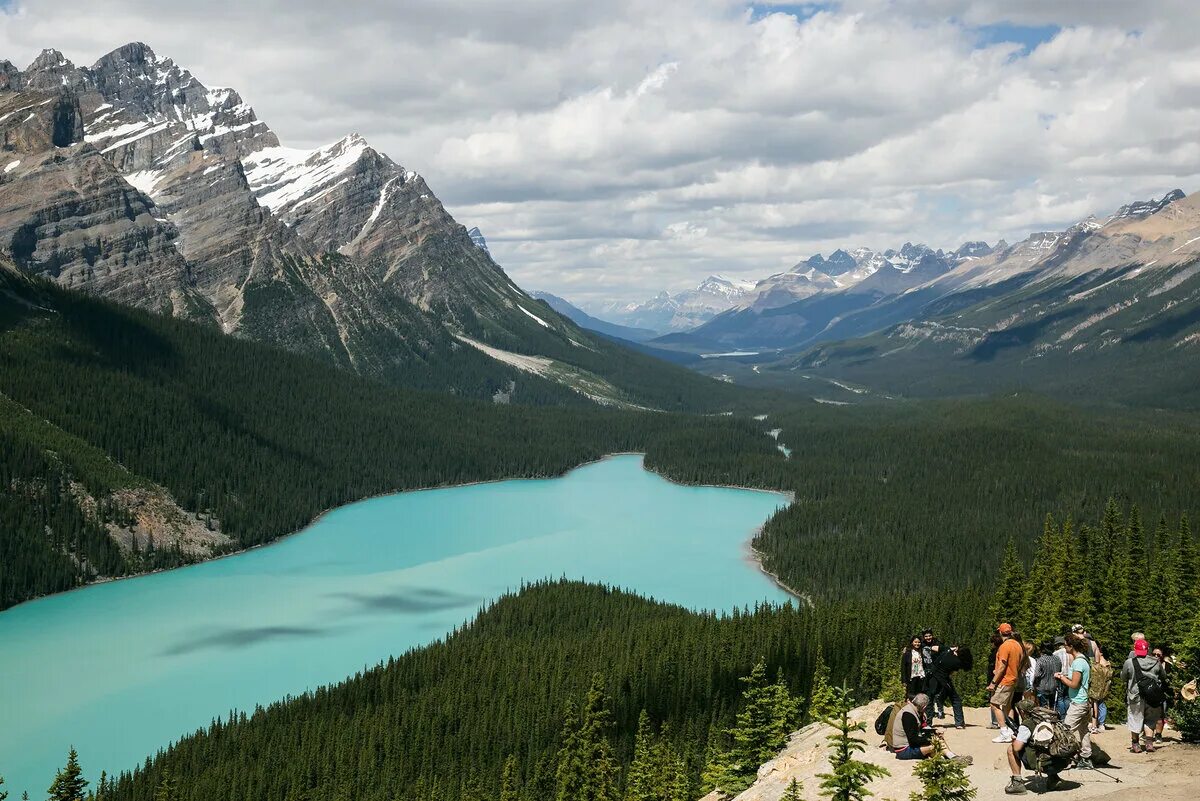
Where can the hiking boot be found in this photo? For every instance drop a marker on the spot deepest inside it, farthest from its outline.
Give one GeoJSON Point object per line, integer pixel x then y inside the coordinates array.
{"type": "Point", "coordinates": [1005, 736]}
{"type": "Point", "coordinates": [1135, 749]}
{"type": "Point", "coordinates": [1084, 763]}
{"type": "Point", "coordinates": [1016, 786]}
{"type": "Point", "coordinates": [1158, 738]}
{"type": "Point", "coordinates": [1149, 747]}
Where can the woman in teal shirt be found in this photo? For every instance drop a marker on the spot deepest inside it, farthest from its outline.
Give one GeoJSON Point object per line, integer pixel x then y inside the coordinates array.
{"type": "Point", "coordinates": [1079, 710]}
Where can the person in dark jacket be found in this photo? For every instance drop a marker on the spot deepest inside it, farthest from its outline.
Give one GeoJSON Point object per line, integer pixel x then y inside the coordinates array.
{"type": "Point", "coordinates": [930, 648]}
{"type": "Point", "coordinates": [912, 668]}
{"type": "Point", "coordinates": [1045, 686]}
{"type": "Point", "coordinates": [941, 682]}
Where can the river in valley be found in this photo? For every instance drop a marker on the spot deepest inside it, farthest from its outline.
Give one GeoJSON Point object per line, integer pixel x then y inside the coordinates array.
{"type": "Point", "coordinates": [121, 669]}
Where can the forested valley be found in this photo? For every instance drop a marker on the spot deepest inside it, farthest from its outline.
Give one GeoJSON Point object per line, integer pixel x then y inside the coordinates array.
{"type": "Point", "coordinates": [671, 700]}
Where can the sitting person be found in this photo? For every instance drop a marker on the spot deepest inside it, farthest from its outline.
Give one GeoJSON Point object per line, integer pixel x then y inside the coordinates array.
{"type": "Point", "coordinates": [1022, 751]}
{"type": "Point", "coordinates": [912, 738]}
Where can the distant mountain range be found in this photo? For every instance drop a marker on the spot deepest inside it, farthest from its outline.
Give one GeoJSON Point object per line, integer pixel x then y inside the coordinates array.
{"type": "Point", "coordinates": [132, 180]}
{"type": "Point", "coordinates": [680, 312]}
{"type": "Point", "coordinates": [585, 320]}
{"type": "Point", "coordinates": [1106, 310]}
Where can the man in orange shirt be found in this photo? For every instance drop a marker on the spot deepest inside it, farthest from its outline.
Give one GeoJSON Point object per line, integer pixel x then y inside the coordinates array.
{"type": "Point", "coordinates": [1003, 685]}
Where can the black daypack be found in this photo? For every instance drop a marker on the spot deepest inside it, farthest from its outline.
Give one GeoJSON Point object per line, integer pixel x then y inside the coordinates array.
{"type": "Point", "coordinates": [881, 722]}
{"type": "Point", "coordinates": [1150, 687]}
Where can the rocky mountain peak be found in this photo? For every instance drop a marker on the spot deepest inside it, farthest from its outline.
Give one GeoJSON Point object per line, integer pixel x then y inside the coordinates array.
{"type": "Point", "coordinates": [478, 238]}
{"type": "Point", "coordinates": [49, 59]}
{"type": "Point", "coordinates": [132, 53]}
{"type": "Point", "coordinates": [972, 250]}
{"type": "Point", "coordinates": [1144, 208]}
{"type": "Point", "coordinates": [51, 70]}
{"type": "Point", "coordinates": [839, 263]}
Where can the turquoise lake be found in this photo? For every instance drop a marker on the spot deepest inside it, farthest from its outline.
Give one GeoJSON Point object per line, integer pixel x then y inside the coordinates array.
{"type": "Point", "coordinates": [121, 669]}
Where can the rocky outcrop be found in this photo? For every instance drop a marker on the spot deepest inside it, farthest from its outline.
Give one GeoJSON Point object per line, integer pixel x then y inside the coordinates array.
{"type": "Point", "coordinates": [67, 214]}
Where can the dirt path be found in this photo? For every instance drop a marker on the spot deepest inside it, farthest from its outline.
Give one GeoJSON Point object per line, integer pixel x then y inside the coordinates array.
{"type": "Point", "coordinates": [1170, 774]}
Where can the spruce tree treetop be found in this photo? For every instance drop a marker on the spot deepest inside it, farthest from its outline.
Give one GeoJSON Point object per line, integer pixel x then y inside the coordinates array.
{"type": "Point", "coordinates": [849, 778]}
{"type": "Point", "coordinates": [69, 784]}
{"type": "Point", "coordinates": [942, 779]}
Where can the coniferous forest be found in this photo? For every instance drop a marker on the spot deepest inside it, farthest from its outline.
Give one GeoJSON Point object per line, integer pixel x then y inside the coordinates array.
{"type": "Point", "coordinates": [566, 686]}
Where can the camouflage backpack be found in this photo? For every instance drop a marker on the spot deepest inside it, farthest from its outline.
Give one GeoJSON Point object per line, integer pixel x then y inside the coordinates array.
{"type": "Point", "coordinates": [1101, 682]}
{"type": "Point", "coordinates": [1050, 736]}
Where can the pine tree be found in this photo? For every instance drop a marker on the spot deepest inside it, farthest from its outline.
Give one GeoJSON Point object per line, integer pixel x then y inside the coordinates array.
{"type": "Point", "coordinates": [640, 781]}
{"type": "Point", "coordinates": [587, 768]}
{"type": "Point", "coordinates": [3, 792]}
{"type": "Point", "coordinates": [793, 791]}
{"type": "Point", "coordinates": [166, 788]}
{"type": "Point", "coordinates": [849, 777]}
{"type": "Point", "coordinates": [1189, 568]}
{"type": "Point", "coordinates": [69, 783]}
{"type": "Point", "coordinates": [510, 780]}
{"type": "Point", "coordinates": [942, 779]}
{"type": "Point", "coordinates": [1137, 613]}
{"type": "Point", "coordinates": [1115, 625]}
{"type": "Point", "coordinates": [1008, 601]}
{"type": "Point", "coordinates": [822, 696]}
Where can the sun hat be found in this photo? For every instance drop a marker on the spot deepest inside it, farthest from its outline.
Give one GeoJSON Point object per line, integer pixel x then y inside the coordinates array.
{"type": "Point", "coordinates": [1004, 628]}
{"type": "Point", "coordinates": [1141, 647]}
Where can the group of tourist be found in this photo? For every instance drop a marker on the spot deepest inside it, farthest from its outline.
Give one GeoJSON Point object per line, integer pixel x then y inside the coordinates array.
{"type": "Point", "coordinates": [1046, 701]}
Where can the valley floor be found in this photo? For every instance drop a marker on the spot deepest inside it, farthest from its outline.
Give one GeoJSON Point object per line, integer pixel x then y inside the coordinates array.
{"type": "Point", "coordinates": [1170, 774]}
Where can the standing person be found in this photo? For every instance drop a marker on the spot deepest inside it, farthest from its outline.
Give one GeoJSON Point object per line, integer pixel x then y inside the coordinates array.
{"type": "Point", "coordinates": [1093, 652]}
{"type": "Point", "coordinates": [1079, 711]}
{"type": "Point", "coordinates": [941, 680]}
{"type": "Point", "coordinates": [1045, 686]}
{"type": "Point", "coordinates": [1161, 655]}
{"type": "Point", "coordinates": [930, 648]}
{"type": "Point", "coordinates": [1027, 673]}
{"type": "Point", "coordinates": [1102, 674]}
{"type": "Point", "coordinates": [912, 668]}
{"type": "Point", "coordinates": [1064, 662]}
{"type": "Point", "coordinates": [1144, 693]}
{"type": "Point", "coordinates": [1006, 673]}
{"type": "Point", "coordinates": [989, 666]}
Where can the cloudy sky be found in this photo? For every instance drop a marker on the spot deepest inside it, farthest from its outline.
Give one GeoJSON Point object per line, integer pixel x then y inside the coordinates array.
{"type": "Point", "coordinates": [612, 148]}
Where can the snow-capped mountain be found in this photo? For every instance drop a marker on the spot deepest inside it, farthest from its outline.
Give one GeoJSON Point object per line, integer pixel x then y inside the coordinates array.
{"type": "Point", "coordinates": [133, 180]}
{"type": "Point", "coordinates": [680, 312]}
{"type": "Point", "coordinates": [906, 283]}
{"type": "Point", "coordinates": [1108, 307]}
{"type": "Point", "coordinates": [478, 238]}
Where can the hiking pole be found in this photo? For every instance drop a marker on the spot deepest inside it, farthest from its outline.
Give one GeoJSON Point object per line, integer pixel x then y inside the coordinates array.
{"type": "Point", "coordinates": [1109, 775]}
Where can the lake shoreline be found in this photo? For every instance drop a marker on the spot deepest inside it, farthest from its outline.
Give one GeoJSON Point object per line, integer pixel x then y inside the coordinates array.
{"type": "Point", "coordinates": [789, 496]}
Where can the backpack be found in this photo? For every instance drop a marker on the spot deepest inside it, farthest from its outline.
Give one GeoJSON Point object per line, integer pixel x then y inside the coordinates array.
{"type": "Point", "coordinates": [881, 722]}
{"type": "Point", "coordinates": [1150, 687]}
{"type": "Point", "coordinates": [1050, 736]}
{"type": "Point", "coordinates": [1101, 682]}
{"type": "Point", "coordinates": [892, 713]}
{"type": "Point", "coordinates": [968, 661]}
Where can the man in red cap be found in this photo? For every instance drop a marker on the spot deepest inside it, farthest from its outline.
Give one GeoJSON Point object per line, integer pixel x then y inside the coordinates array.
{"type": "Point", "coordinates": [1003, 685]}
{"type": "Point", "coordinates": [1145, 683]}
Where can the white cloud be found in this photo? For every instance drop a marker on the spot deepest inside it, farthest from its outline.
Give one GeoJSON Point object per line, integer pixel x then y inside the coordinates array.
{"type": "Point", "coordinates": [610, 149]}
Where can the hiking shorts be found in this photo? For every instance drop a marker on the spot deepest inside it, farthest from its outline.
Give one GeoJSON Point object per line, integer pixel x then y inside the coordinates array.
{"type": "Point", "coordinates": [910, 752]}
{"type": "Point", "coordinates": [1003, 696]}
{"type": "Point", "coordinates": [1139, 715]}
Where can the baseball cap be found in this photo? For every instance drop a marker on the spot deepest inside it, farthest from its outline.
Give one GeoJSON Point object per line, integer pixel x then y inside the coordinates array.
{"type": "Point", "coordinates": [1005, 628]}
{"type": "Point", "coordinates": [1077, 629]}
{"type": "Point", "coordinates": [1141, 647]}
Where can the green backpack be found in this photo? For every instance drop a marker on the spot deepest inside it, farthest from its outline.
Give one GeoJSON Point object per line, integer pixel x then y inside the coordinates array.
{"type": "Point", "coordinates": [1101, 682]}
